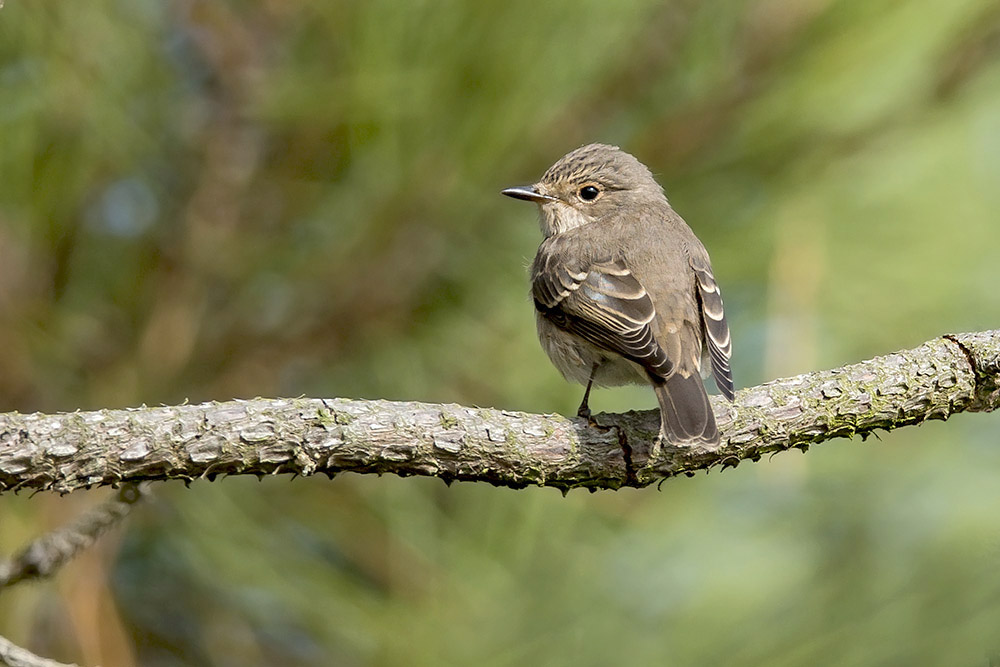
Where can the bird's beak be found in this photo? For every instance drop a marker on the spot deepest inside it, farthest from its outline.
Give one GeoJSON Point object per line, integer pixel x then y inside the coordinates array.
{"type": "Point", "coordinates": [527, 193]}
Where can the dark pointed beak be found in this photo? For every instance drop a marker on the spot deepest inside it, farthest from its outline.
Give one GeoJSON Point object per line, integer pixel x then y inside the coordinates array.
{"type": "Point", "coordinates": [527, 193]}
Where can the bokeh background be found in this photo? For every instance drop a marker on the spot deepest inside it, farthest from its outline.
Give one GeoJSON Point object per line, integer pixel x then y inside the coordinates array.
{"type": "Point", "coordinates": [208, 199]}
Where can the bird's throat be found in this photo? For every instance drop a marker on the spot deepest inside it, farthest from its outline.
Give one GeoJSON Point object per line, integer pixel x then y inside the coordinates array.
{"type": "Point", "coordinates": [558, 217]}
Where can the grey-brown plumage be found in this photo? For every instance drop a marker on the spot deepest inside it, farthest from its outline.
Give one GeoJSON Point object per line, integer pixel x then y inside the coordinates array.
{"type": "Point", "coordinates": [624, 291]}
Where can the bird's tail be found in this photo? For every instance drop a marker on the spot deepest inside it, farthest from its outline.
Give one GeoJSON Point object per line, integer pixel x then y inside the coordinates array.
{"type": "Point", "coordinates": [686, 416]}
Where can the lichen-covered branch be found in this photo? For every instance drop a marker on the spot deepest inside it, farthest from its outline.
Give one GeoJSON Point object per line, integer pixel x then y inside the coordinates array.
{"type": "Point", "coordinates": [64, 452]}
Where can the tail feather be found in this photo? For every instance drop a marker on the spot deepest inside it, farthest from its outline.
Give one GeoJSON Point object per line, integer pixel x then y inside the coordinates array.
{"type": "Point", "coordinates": [686, 416]}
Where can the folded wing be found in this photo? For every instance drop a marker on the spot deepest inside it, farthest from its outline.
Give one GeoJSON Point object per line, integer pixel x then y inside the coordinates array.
{"type": "Point", "coordinates": [604, 304]}
{"type": "Point", "coordinates": [713, 317]}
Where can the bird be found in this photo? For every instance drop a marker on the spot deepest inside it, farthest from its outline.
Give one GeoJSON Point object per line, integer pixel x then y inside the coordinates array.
{"type": "Point", "coordinates": [624, 291]}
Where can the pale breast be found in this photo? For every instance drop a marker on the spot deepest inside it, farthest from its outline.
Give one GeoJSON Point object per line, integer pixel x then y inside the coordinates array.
{"type": "Point", "coordinates": [575, 357]}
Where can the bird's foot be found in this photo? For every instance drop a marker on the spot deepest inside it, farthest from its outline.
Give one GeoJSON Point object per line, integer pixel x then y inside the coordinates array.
{"type": "Point", "coordinates": [657, 448]}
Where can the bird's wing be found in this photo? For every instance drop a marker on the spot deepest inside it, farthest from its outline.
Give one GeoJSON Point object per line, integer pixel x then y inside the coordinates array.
{"type": "Point", "coordinates": [601, 302]}
{"type": "Point", "coordinates": [713, 318]}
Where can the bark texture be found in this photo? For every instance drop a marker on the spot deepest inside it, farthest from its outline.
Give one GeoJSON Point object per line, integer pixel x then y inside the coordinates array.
{"type": "Point", "coordinates": [64, 452]}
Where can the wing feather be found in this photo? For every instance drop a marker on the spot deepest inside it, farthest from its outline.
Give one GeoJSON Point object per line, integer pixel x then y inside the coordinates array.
{"type": "Point", "coordinates": [713, 316]}
{"type": "Point", "coordinates": [603, 303]}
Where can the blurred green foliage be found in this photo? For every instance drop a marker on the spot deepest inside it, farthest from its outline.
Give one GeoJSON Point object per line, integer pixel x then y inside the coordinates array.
{"type": "Point", "coordinates": [201, 200]}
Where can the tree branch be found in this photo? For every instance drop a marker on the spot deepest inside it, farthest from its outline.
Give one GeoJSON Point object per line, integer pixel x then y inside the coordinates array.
{"type": "Point", "coordinates": [48, 553]}
{"type": "Point", "coordinates": [15, 656]}
{"type": "Point", "coordinates": [64, 452]}
{"type": "Point", "coordinates": [45, 555]}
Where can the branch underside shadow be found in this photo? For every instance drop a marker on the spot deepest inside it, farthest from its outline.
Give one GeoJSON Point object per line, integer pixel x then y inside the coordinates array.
{"type": "Point", "coordinates": [67, 451]}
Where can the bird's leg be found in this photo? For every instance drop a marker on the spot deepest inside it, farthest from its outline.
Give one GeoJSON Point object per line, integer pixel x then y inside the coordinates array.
{"type": "Point", "coordinates": [584, 409]}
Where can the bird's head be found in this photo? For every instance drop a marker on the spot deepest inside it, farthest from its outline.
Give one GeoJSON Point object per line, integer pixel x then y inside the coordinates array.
{"type": "Point", "coordinates": [587, 185]}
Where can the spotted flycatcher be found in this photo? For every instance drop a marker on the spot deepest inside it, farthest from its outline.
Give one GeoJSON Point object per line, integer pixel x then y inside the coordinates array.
{"type": "Point", "coordinates": [624, 291]}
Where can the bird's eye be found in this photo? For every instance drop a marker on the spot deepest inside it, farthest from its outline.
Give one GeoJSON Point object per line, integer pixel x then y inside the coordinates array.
{"type": "Point", "coordinates": [589, 193]}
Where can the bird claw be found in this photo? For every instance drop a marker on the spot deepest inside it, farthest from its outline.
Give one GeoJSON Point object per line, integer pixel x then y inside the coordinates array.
{"type": "Point", "coordinates": [657, 448]}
